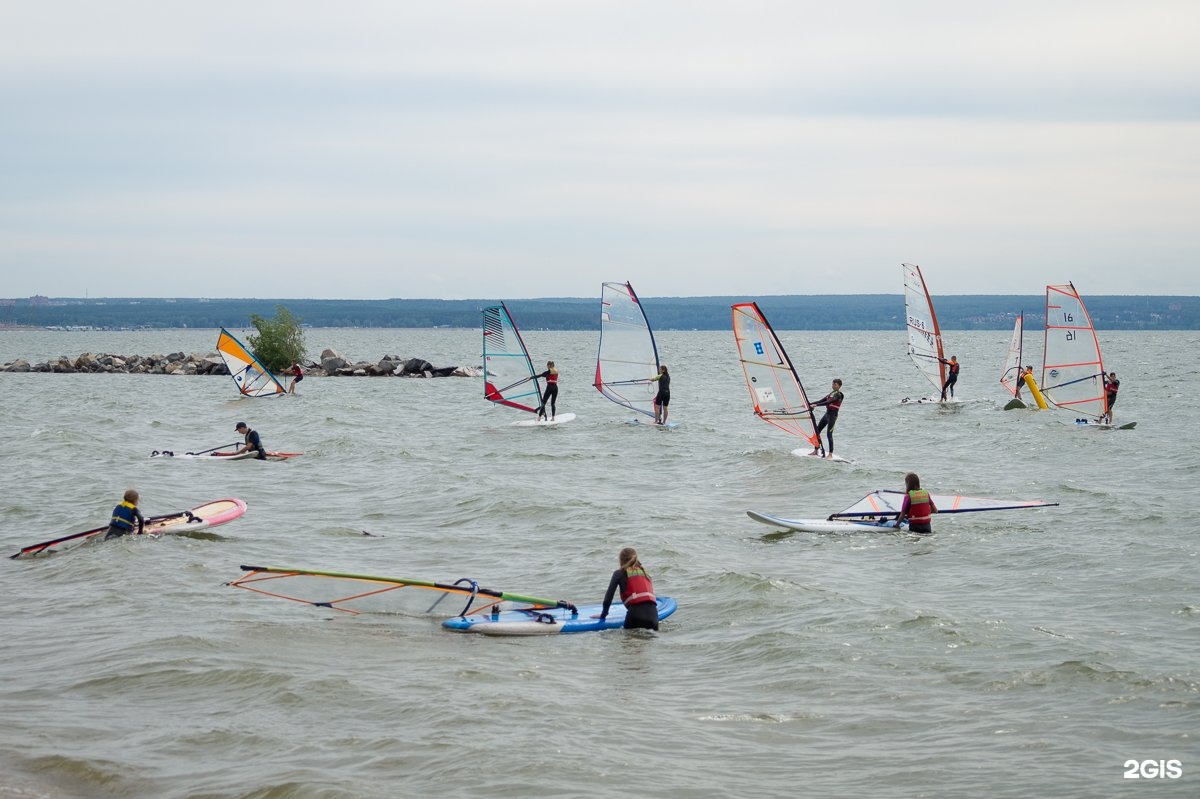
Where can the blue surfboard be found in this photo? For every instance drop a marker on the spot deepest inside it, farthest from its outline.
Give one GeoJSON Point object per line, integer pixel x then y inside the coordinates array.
{"type": "Point", "coordinates": [550, 621]}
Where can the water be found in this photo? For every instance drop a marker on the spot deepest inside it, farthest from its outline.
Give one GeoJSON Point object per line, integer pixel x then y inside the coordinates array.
{"type": "Point", "coordinates": [1029, 653]}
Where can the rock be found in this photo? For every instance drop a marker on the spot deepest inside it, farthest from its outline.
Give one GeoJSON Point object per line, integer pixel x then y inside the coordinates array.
{"type": "Point", "coordinates": [332, 361]}
{"type": "Point", "coordinates": [19, 365]}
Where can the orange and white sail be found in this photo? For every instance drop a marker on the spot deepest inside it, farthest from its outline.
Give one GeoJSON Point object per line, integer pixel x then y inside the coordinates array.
{"type": "Point", "coordinates": [248, 373]}
{"type": "Point", "coordinates": [1072, 369]}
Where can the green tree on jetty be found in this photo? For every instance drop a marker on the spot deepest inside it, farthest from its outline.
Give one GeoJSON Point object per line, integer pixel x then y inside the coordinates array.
{"type": "Point", "coordinates": [279, 342]}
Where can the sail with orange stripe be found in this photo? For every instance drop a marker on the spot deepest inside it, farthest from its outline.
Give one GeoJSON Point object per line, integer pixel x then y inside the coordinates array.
{"type": "Point", "coordinates": [248, 373]}
{"type": "Point", "coordinates": [887, 503]}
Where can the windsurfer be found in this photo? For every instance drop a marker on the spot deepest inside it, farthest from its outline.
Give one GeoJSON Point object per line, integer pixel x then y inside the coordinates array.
{"type": "Point", "coordinates": [832, 403]}
{"type": "Point", "coordinates": [253, 442]}
{"type": "Point", "coordinates": [550, 396]}
{"type": "Point", "coordinates": [918, 506]}
{"type": "Point", "coordinates": [637, 592]}
{"type": "Point", "coordinates": [663, 398]}
{"type": "Point", "coordinates": [1021, 380]}
{"type": "Point", "coordinates": [297, 376]}
{"type": "Point", "coordinates": [951, 375]}
{"type": "Point", "coordinates": [1111, 385]}
{"type": "Point", "coordinates": [124, 515]}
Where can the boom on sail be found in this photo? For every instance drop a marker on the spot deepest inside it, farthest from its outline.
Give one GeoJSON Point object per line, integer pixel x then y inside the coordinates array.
{"type": "Point", "coordinates": [508, 376]}
{"type": "Point", "coordinates": [627, 357]}
{"type": "Point", "coordinates": [252, 378]}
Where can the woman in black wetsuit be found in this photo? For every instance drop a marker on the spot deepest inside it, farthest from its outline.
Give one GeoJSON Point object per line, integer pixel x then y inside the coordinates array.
{"type": "Point", "coordinates": [663, 398]}
{"type": "Point", "coordinates": [637, 592]}
{"type": "Point", "coordinates": [550, 396]}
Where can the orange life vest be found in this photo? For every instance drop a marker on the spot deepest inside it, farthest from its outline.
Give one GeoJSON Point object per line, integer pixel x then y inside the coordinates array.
{"type": "Point", "coordinates": [638, 588]}
{"type": "Point", "coordinates": [920, 510]}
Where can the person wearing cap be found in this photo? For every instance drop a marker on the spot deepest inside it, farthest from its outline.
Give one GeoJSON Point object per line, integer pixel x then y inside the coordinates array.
{"type": "Point", "coordinates": [253, 442]}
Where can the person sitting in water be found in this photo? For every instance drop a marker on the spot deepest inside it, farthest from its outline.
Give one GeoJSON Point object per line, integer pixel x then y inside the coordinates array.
{"type": "Point", "coordinates": [917, 507]}
{"type": "Point", "coordinates": [124, 515]}
{"type": "Point", "coordinates": [253, 442]}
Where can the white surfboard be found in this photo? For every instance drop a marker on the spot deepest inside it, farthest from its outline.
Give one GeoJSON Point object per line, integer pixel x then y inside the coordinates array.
{"type": "Point", "coordinates": [561, 418]}
{"type": "Point", "coordinates": [825, 525]}
{"type": "Point", "coordinates": [808, 453]}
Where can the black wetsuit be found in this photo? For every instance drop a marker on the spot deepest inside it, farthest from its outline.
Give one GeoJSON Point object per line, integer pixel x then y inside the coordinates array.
{"type": "Point", "coordinates": [833, 403]}
{"type": "Point", "coordinates": [951, 378]}
{"type": "Point", "coordinates": [255, 442]}
{"type": "Point", "coordinates": [1110, 392]}
{"type": "Point", "coordinates": [550, 396]}
{"type": "Point", "coordinates": [643, 615]}
{"type": "Point", "coordinates": [663, 397]}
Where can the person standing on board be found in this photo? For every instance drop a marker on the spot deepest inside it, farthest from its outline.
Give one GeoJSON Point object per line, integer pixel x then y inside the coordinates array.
{"type": "Point", "coordinates": [918, 506]}
{"type": "Point", "coordinates": [124, 515]}
{"type": "Point", "coordinates": [1111, 385]}
{"type": "Point", "coordinates": [1021, 380]}
{"type": "Point", "coordinates": [297, 376]}
{"type": "Point", "coordinates": [253, 442]}
{"type": "Point", "coordinates": [832, 402]}
{"type": "Point", "coordinates": [663, 398]}
{"type": "Point", "coordinates": [637, 592]}
{"type": "Point", "coordinates": [951, 375]}
{"type": "Point", "coordinates": [551, 394]}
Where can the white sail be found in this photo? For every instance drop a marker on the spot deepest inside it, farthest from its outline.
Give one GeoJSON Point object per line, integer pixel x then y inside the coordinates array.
{"type": "Point", "coordinates": [627, 358]}
{"type": "Point", "coordinates": [775, 388]}
{"type": "Point", "coordinates": [1010, 374]}
{"type": "Point", "coordinates": [888, 503]}
{"type": "Point", "coordinates": [924, 335]}
{"type": "Point", "coordinates": [1072, 370]}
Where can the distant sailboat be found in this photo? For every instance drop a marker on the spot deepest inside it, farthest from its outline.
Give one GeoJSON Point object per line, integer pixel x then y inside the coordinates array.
{"type": "Point", "coordinates": [252, 378]}
{"type": "Point", "coordinates": [924, 335]}
{"type": "Point", "coordinates": [1072, 369]}
{"type": "Point", "coordinates": [628, 357]}
{"type": "Point", "coordinates": [508, 376]}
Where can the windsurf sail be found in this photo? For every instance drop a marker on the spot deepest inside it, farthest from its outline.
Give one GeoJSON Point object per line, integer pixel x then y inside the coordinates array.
{"type": "Point", "coordinates": [1010, 375]}
{"type": "Point", "coordinates": [885, 503]}
{"type": "Point", "coordinates": [508, 376]}
{"type": "Point", "coordinates": [628, 358]}
{"type": "Point", "coordinates": [924, 335]}
{"type": "Point", "coordinates": [249, 375]}
{"type": "Point", "coordinates": [362, 593]}
{"type": "Point", "coordinates": [1072, 370]}
{"type": "Point", "coordinates": [775, 388]}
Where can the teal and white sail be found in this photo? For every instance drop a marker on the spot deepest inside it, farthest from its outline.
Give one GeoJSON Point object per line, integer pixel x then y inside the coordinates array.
{"type": "Point", "coordinates": [1072, 370]}
{"type": "Point", "coordinates": [508, 376]}
{"type": "Point", "coordinates": [628, 357]}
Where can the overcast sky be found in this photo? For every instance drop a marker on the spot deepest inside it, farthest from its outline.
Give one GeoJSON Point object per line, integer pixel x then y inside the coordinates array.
{"type": "Point", "coordinates": [530, 149]}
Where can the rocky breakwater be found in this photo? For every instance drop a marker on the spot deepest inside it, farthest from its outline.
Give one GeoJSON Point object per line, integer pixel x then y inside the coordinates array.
{"type": "Point", "coordinates": [332, 364]}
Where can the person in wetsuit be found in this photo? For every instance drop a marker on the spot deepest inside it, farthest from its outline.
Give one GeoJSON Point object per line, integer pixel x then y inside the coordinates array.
{"type": "Point", "coordinates": [832, 402]}
{"type": "Point", "coordinates": [253, 442]}
{"type": "Point", "coordinates": [124, 516]}
{"type": "Point", "coordinates": [918, 506]}
{"type": "Point", "coordinates": [663, 398]}
{"type": "Point", "coordinates": [297, 376]}
{"type": "Point", "coordinates": [1111, 386]}
{"type": "Point", "coordinates": [637, 592]}
{"type": "Point", "coordinates": [550, 396]}
{"type": "Point", "coordinates": [951, 375]}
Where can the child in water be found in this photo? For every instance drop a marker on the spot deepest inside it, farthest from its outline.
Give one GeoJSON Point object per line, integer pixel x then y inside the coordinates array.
{"type": "Point", "coordinates": [124, 515]}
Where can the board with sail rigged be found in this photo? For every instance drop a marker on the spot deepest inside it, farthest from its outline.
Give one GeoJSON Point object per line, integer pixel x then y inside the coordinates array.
{"type": "Point", "coordinates": [363, 593]}
{"type": "Point", "coordinates": [878, 511]}
{"type": "Point", "coordinates": [776, 392]}
{"type": "Point", "coordinates": [551, 621]}
{"type": "Point", "coordinates": [924, 334]}
{"type": "Point", "coordinates": [251, 377]}
{"type": "Point", "coordinates": [508, 376]}
{"type": "Point", "coordinates": [1010, 372]}
{"type": "Point", "coordinates": [1072, 369]}
{"type": "Point", "coordinates": [627, 358]}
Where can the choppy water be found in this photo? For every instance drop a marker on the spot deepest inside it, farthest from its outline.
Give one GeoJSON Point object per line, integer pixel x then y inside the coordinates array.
{"type": "Point", "coordinates": [1009, 655]}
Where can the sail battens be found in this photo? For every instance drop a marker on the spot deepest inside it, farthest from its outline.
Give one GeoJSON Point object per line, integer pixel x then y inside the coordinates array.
{"type": "Point", "coordinates": [251, 377]}
{"type": "Point", "coordinates": [924, 334]}
{"type": "Point", "coordinates": [627, 357]}
{"type": "Point", "coordinates": [775, 388]}
{"type": "Point", "coordinates": [508, 376]}
{"type": "Point", "coordinates": [1072, 369]}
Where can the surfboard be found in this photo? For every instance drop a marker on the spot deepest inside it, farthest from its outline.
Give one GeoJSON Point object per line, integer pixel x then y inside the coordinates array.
{"type": "Point", "coordinates": [561, 418]}
{"type": "Point", "coordinates": [825, 525]}
{"type": "Point", "coordinates": [550, 621]}
{"type": "Point", "coordinates": [1092, 423]}
{"type": "Point", "coordinates": [224, 456]}
{"type": "Point", "coordinates": [808, 453]}
{"type": "Point", "coordinates": [210, 514]}
{"type": "Point", "coordinates": [643, 423]}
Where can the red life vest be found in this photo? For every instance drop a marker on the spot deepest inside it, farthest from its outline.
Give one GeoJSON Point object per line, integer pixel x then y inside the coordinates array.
{"type": "Point", "coordinates": [552, 377]}
{"type": "Point", "coordinates": [920, 510]}
{"type": "Point", "coordinates": [638, 588]}
{"type": "Point", "coordinates": [835, 405]}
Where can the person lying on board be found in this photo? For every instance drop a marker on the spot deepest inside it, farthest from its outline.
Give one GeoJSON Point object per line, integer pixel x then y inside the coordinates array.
{"type": "Point", "coordinates": [832, 402]}
{"type": "Point", "coordinates": [918, 506]}
{"type": "Point", "coordinates": [951, 375]}
{"type": "Point", "coordinates": [637, 592]}
{"type": "Point", "coordinates": [663, 398]}
{"type": "Point", "coordinates": [551, 394]}
{"type": "Point", "coordinates": [124, 515]}
{"type": "Point", "coordinates": [253, 441]}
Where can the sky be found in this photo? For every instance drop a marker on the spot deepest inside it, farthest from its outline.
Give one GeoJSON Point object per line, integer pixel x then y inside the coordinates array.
{"type": "Point", "coordinates": [493, 149]}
